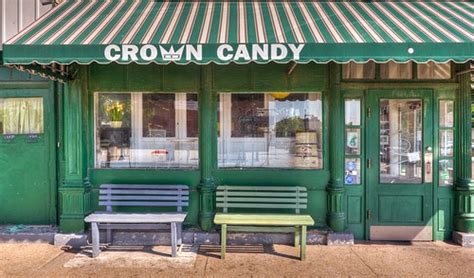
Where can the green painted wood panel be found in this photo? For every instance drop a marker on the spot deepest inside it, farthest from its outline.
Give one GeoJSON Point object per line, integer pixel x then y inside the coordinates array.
{"type": "Point", "coordinates": [28, 175]}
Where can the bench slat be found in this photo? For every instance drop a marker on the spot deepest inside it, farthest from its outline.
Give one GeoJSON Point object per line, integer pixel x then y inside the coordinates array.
{"type": "Point", "coordinates": [135, 226]}
{"type": "Point", "coordinates": [145, 186]}
{"type": "Point", "coordinates": [256, 205]}
{"type": "Point", "coordinates": [261, 229]}
{"type": "Point", "coordinates": [263, 194]}
{"type": "Point", "coordinates": [261, 188]}
{"type": "Point", "coordinates": [263, 200]}
{"type": "Point", "coordinates": [263, 219]}
{"type": "Point", "coordinates": [142, 218]}
{"type": "Point", "coordinates": [142, 204]}
{"type": "Point", "coordinates": [144, 192]}
{"type": "Point", "coordinates": [104, 197]}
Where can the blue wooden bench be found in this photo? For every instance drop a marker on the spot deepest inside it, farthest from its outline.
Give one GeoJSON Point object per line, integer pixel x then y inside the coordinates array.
{"type": "Point", "coordinates": [233, 199]}
{"type": "Point", "coordinates": [139, 195]}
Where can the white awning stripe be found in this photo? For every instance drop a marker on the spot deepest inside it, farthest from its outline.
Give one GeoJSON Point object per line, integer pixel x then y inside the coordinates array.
{"type": "Point", "coordinates": [113, 33]}
{"type": "Point", "coordinates": [224, 23]}
{"type": "Point", "coordinates": [70, 22]}
{"type": "Point", "coordinates": [380, 22]}
{"type": "Point", "coordinates": [371, 31]}
{"type": "Point", "coordinates": [347, 24]}
{"type": "Point", "coordinates": [188, 27]}
{"type": "Point", "coordinates": [276, 23]}
{"type": "Point", "coordinates": [296, 28]}
{"type": "Point", "coordinates": [447, 20]}
{"type": "Point", "coordinates": [53, 23]}
{"type": "Point", "coordinates": [87, 23]}
{"type": "Point", "coordinates": [310, 21]}
{"type": "Point", "coordinates": [104, 23]}
{"type": "Point", "coordinates": [241, 22]}
{"type": "Point", "coordinates": [166, 38]}
{"type": "Point", "coordinates": [139, 23]}
{"type": "Point", "coordinates": [152, 29]}
{"type": "Point", "coordinates": [432, 22]}
{"type": "Point", "coordinates": [328, 23]}
{"type": "Point", "coordinates": [207, 23]}
{"type": "Point", "coordinates": [259, 23]}
{"type": "Point", "coordinates": [397, 22]}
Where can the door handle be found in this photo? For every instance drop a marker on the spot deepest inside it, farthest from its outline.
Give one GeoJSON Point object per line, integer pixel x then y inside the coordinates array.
{"type": "Point", "coordinates": [428, 164]}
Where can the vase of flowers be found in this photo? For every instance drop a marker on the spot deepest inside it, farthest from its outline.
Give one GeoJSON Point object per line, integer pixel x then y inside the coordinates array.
{"type": "Point", "coordinates": [115, 111]}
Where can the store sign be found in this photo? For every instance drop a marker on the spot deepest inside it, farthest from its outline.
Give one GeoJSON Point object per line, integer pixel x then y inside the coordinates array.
{"type": "Point", "coordinates": [188, 52]}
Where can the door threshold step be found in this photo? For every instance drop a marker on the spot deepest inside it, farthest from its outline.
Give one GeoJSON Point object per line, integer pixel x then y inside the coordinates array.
{"type": "Point", "coordinates": [27, 233]}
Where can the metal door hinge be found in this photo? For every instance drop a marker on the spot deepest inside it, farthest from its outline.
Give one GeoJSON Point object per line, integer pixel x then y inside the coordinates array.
{"type": "Point", "coordinates": [369, 214]}
{"type": "Point", "coordinates": [369, 163]}
{"type": "Point", "coordinates": [58, 144]}
{"type": "Point", "coordinates": [369, 112]}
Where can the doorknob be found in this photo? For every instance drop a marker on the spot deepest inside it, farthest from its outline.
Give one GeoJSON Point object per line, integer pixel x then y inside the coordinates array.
{"type": "Point", "coordinates": [429, 149]}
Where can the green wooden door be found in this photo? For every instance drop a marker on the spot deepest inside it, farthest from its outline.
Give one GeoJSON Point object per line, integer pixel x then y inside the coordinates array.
{"type": "Point", "coordinates": [399, 150]}
{"type": "Point", "coordinates": [27, 157]}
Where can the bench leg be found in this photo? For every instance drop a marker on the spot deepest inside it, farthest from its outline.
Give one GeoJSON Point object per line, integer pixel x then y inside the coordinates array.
{"type": "Point", "coordinates": [109, 235]}
{"type": "Point", "coordinates": [297, 236]}
{"type": "Point", "coordinates": [174, 239]}
{"type": "Point", "coordinates": [95, 240]}
{"type": "Point", "coordinates": [180, 233]}
{"type": "Point", "coordinates": [303, 243]}
{"type": "Point", "coordinates": [223, 240]}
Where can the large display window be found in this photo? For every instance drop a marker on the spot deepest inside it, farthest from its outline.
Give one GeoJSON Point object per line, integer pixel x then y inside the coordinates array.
{"type": "Point", "coordinates": [146, 130]}
{"type": "Point", "coordinates": [270, 130]}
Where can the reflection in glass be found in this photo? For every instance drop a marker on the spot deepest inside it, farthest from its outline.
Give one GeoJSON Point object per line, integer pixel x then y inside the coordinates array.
{"type": "Point", "coordinates": [146, 130]}
{"type": "Point", "coordinates": [446, 113]}
{"type": "Point", "coordinates": [401, 141]}
{"type": "Point", "coordinates": [352, 111]}
{"type": "Point", "coordinates": [279, 130]}
{"type": "Point", "coordinates": [21, 115]}
{"type": "Point", "coordinates": [432, 70]}
{"type": "Point", "coordinates": [446, 167]}
{"type": "Point", "coordinates": [446, 142]}
{"type": "Point", "coordinates": [352, 171]}
{"type": "Point", "coordinates": [352, 141]}
{"type": "Point", "coordinates": [393, 70]}
{"type": "Point", "coordinates": [354, 70]}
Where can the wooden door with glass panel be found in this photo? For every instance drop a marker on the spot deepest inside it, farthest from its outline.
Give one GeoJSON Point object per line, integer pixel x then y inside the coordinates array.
{"type": "Point", "coordinates": [399, 164]}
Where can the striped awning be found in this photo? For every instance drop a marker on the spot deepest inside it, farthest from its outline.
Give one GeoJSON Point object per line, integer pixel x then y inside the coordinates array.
{"type": "Point", "coordinates": [145, 31]}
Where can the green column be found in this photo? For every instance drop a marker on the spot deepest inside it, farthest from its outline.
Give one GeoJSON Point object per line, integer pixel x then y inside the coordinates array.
{"type": "Point", "coordinates": [75, 189]}
{"type": "Point", "coordinates": [464, 185]}
{"type": "Point", "coordinates": [207, 149]}
{"type": "Point", "coordinates": [335, 188]}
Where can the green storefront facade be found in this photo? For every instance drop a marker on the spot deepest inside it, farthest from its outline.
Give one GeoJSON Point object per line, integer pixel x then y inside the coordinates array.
{"type": "Point", "coordinates": [392, 141]}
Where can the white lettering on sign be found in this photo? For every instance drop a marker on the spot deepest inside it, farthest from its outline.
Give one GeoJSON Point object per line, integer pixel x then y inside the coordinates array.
{"type": "Point", "coordinates": [188, 52]}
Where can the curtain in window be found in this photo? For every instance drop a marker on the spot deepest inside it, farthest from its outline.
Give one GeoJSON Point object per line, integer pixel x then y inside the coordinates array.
{"type": "Point", "coordinates": [23, 116]}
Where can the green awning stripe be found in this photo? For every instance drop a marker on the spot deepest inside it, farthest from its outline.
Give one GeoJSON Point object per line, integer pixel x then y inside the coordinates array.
{"type": "Point", "coordinates": [89, 26]}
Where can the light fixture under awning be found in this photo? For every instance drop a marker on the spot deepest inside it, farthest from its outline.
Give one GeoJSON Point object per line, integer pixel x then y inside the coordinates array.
{"type": "Point", "coordinates": [143, 31]}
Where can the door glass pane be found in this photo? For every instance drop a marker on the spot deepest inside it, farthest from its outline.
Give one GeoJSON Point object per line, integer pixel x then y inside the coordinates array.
{"type": "Point", "coordinates": [352, 171]}
{"type": "Point", "coordinates": [446, 142]}
{"type": "Point", "coordinates": [401, 141]}
{"type": "Point", "coordinates": [446, 114]}
{"type": "Point", "coordinates": [352, 111]}
{"type": "Point", "coordinates": [446, 167]}
{"type": "Point", "coordinates": [21, 115]}
{"type": "Point", "coordinates": [352, 141]}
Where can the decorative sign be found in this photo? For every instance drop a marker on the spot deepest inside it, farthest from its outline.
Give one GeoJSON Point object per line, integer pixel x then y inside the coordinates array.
{"type": "Point", "coordinates": [189, 52]}
{"type": "Point", "coordinates": [8, 138]}
{"type": "Point", "coordinates": [32, 138]}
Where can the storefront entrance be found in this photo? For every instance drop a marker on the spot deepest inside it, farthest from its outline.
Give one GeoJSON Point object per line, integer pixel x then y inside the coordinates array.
{"type": "Point", "coordinates": [399, 164]}
{"type": "Point", "coordinates": [27, 157]}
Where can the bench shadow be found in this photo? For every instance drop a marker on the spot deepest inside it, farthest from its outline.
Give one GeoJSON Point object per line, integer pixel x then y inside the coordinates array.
{"type": "Point", "coordinates": [214, 251]}
{"type": "Point", "coordinates": [124, 248]}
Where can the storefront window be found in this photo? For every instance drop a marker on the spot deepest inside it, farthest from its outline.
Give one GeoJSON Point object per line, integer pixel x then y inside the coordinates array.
{"type": "Point", "coordinates": [272, 130]}
{"type": "Point", "coordinates": [146, 130]}
{"type": "Point", "coordinates": [21, 116]}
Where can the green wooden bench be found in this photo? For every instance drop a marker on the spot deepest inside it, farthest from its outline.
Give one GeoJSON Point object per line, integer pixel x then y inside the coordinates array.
{"type": "Point", "coordinates": [270, 198]}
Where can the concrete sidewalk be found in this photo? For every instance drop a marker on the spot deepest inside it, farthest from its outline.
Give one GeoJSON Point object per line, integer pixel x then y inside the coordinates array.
{"type": "Point", "coordinates": [362, 259]}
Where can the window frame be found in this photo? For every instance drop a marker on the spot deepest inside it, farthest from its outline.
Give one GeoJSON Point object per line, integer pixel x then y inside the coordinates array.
{"type": "Point", "coordinates": [221, 133]}
{"type": "Point", "coordinates": [136, 104]}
